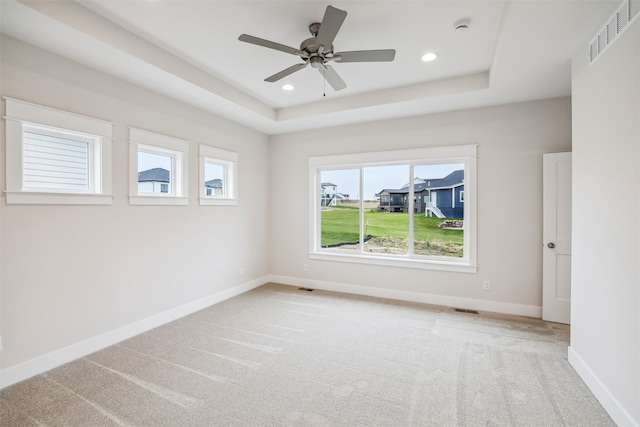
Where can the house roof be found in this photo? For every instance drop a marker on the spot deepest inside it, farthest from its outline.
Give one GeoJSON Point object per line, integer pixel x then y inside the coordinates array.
{"type": "Point", "coordinates": [213, 183]}
{"type": "Point", "coordinates": [328, 184]}
{"type": "Point", "coordinates": [454, 179]}
{"type": "Point", "coordinates": [155, 174]}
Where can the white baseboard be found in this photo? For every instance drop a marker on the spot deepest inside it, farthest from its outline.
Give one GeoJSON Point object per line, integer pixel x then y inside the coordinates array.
{"type": "Point", "coordinates": [600, 391]}
{"type": "Point", "coordinates": [59, 357]}
{"type": "Point", "coordinates": [447, 301]}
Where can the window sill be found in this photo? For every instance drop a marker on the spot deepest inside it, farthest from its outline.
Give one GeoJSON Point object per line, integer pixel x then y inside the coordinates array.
{"type": "Point", "coordinates": [395, 262]}
{"type": "Point", "coordinates": [158, 200]}
{"type": "Point", "coordinates": [45, 198]}
{"type": "Point", "coordinates": [218, 202]}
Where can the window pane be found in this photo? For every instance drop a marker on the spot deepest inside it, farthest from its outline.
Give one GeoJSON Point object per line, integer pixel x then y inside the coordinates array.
{"type": "Point", "coordinates": [439, 210]}
{"type": "Point", "coordinates": [154, 172]}
{"type": "Point", "coordinates": [55, 160]}
{"type": "Point", "coordinates": [340, 214]}
{"type": "Point", "coordinates": [386, 217]}
{"type": "Point", "coordinates": [214, 179]}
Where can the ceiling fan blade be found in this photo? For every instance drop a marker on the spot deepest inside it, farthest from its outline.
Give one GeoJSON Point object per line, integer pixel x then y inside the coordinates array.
{"type": "Point", "coordinates": [266, 43]}
{"type": "Point", "coordinates": [286, 72]}
{"type": "Point", "coordinates": [384, 55]}
{"type": "Point", "coordinates": [331, 23]}
{"type": "Point", "coordinates": [332, 77]}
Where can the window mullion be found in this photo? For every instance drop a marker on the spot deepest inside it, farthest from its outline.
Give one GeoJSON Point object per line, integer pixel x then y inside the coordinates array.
{"type": "Point", "coordinates": [91, 162]}
{"type": "Point", "coordinates": [318, 211]}
{"type": "Point", "coordinates": [361, 208]}
{"type": "Point", "coordinates": [173, 174]}
{"type": "Point", "coordinates": [411, 209]}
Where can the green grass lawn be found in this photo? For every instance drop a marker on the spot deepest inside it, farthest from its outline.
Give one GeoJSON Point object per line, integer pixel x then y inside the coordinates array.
{"type": "Point", "coordinates": [390, 232]}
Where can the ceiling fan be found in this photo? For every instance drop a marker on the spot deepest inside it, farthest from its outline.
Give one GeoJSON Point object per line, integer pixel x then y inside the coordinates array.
{"type": "Point", "coordinates": [318, 50]}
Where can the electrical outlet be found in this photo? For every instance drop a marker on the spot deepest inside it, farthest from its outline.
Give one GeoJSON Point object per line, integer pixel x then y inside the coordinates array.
{"type": "Point", "coordinates": [305, 267]}
{"type": "Point", "coordinates": [241, 271]}
{"type": "Point", "coordinates": [486, 285]}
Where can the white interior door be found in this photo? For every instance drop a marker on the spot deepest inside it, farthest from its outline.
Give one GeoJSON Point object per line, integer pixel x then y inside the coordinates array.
{"type": "Point", "coordinates": [556, 253]}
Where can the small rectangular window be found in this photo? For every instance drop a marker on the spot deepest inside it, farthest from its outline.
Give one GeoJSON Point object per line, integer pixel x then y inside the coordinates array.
{"type": "Point", "coordinates": [218, 176]}
{"type": "Point", "coordinates": [159, 169]}
{"type": "Point", "coordinates": [56, 157]}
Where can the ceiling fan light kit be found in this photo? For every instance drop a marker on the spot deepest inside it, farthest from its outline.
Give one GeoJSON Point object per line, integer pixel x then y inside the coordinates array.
{"type": "Point", "coordinates": [317, 51]}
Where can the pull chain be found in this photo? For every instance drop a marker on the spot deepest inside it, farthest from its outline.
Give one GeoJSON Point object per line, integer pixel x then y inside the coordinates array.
{"type": "Point", "coordinates": [324, 82]}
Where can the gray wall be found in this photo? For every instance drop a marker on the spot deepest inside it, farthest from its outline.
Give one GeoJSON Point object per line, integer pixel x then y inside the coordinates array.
{"type": "Point", "coordinates": [72, 273]}
{"type": "Point", "coordinates": [605, 333]}
{"type": "Point", "coordinates": [511, 140]}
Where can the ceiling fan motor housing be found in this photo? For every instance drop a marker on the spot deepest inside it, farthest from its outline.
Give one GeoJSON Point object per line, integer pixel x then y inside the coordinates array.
{"type": "Point", "coordinates": [311, 49]}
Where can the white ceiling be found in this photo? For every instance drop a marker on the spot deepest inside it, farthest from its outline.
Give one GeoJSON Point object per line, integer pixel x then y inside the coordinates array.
{"type": "Point", "coordinates": [515, 50]}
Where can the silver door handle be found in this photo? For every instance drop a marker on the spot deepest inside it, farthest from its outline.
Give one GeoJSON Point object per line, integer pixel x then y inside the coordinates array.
{"type": "Point", "coordinates": [551, 245]}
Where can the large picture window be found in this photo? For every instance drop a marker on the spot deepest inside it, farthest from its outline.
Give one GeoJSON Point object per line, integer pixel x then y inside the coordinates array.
{"type": "Point", "coordinates": [396, 208]}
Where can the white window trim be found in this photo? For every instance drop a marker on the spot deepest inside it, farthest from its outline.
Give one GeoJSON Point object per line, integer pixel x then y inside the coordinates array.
{"type": "Point", "coordinates": [20, 113]}
{"type": "Point", "coordinates": [178, 149]}
{"type": "Point", "coordinates": [226, 158]}
{"type": "Point", "coordinates": [466, 154]}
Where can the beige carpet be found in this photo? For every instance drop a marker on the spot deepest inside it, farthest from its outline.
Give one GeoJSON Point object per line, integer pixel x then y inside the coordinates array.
{"type": "Point", "coordinates": [279, 356]}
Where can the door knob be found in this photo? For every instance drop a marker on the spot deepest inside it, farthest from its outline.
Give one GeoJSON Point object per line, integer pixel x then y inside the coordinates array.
{"type": "Point", "coordinates": [551, 245]}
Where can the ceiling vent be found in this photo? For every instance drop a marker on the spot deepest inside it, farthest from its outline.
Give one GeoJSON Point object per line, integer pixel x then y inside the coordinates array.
{"type": "Point", "coordinates": [626, 13]}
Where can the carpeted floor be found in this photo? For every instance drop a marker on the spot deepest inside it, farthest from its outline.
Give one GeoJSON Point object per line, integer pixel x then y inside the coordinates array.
{"type": "Point", "coordinates": [280, 356]}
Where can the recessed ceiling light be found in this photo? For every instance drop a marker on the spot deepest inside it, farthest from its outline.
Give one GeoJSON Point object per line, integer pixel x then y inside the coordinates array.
{"type": "Point", "coordinates": [288, 87]}
{"type": "Point", "coordinates": [429, 56]}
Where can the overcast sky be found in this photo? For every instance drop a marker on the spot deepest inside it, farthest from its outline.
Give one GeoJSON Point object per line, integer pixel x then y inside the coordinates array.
{"type": "Point", "coordinates": [148, 161]}
{"type": "Point", "coordinates": [381, 177]}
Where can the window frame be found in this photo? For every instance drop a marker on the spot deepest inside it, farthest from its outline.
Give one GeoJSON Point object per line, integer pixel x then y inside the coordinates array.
{"type": "Point", "coordinates": [465, 154]}
{"type": "Point", "coordinates": [228, 160]}
{"type": "Point", "coordinates": [22, 115]}
{"type": "Point", "coordinates": [156, 143]}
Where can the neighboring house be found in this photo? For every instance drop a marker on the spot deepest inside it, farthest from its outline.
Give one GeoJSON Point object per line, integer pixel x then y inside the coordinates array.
{"type": "Point", "coordinates": [442, 197]}
{"type": "Point", "coordinates": [330, 195]}
{"type": "Point", "coordinates": [213, 187]}
{"type": "Point", "coordinates": [154, 180]}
